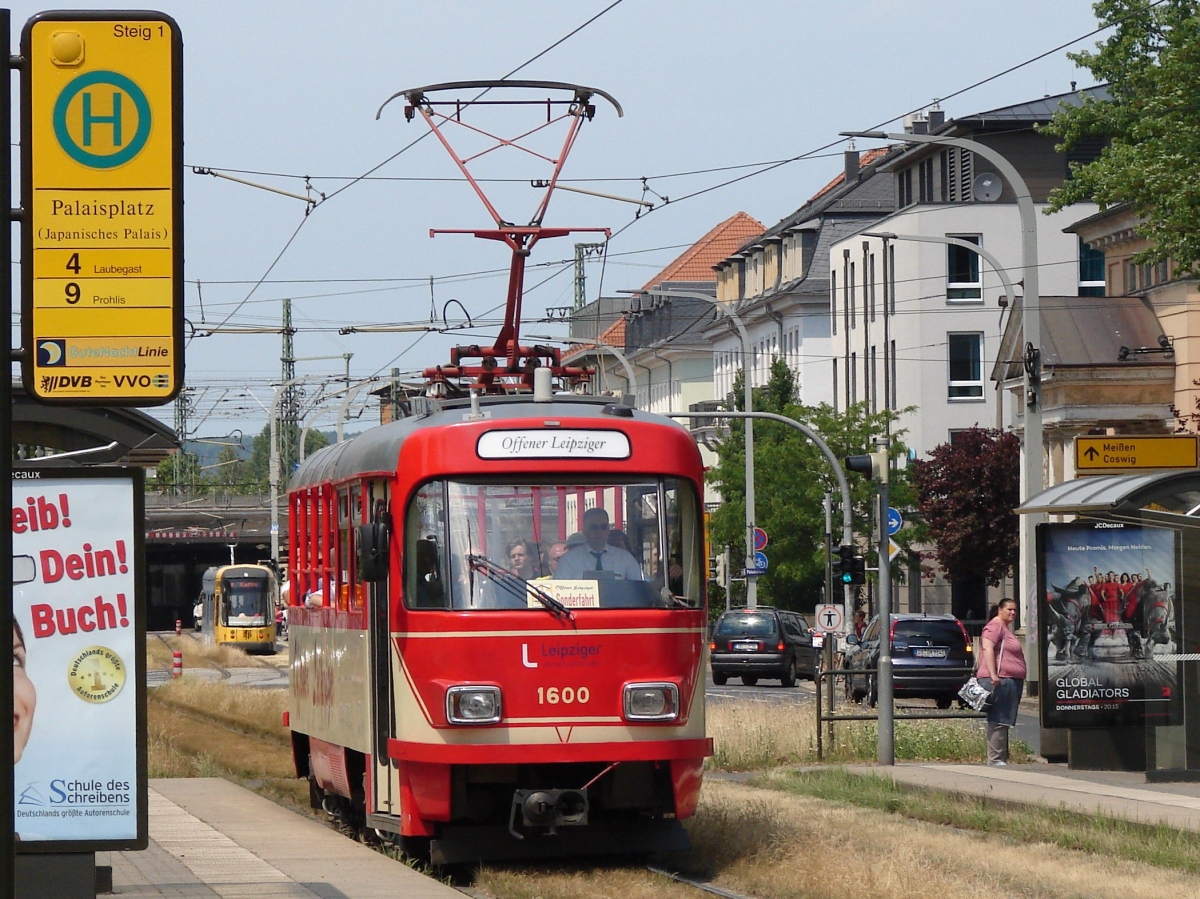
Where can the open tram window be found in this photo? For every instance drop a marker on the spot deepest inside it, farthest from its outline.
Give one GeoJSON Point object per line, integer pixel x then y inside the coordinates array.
{"type": "Point", "coordinates": [611, 544]}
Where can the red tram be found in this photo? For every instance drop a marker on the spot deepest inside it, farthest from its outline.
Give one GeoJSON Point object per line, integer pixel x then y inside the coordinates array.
{"type": "Point", "coordinates": [437, 694]}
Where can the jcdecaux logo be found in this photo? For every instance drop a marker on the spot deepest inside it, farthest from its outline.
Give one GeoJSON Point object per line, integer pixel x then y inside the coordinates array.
{"type": "Point", "coordinates": [102, 119]}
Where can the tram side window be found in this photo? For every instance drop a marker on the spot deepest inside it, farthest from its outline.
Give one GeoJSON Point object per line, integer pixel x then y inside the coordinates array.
{"type": "Point", "coordinates": [424, 562]}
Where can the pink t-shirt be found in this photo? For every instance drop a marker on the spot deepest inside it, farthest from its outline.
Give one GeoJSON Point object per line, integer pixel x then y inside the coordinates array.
{"type": "Point", "coordinates": [1013, 662]}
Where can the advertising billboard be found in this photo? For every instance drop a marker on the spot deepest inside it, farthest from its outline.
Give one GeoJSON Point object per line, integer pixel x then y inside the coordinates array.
{"type": "Point", "coordinates": [79, 781]}
{"type": "Point", "coordinates": [1109, 624]}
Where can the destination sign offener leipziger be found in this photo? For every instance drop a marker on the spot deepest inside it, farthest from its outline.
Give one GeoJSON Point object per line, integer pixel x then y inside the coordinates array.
{"type": "Point", "coordinates": [1133, 453]}
{"type": "Point", "coordinates": [101, 185]}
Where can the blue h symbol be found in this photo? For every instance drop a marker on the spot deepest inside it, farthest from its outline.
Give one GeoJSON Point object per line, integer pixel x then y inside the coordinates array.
{"type": "Point", "coordinates": [89, 119]}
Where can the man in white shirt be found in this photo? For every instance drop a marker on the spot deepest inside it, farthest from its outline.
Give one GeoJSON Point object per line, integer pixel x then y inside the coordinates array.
{"type": "Point", "coordinates": [583, 561]}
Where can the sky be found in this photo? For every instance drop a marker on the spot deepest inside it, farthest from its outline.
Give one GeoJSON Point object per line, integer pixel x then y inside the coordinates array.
{"type": "Point", "coordinates": [711, 91]}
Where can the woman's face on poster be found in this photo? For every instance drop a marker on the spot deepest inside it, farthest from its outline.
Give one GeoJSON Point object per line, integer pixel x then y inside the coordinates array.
{"type": "Point", "coordinates": [24, 699]}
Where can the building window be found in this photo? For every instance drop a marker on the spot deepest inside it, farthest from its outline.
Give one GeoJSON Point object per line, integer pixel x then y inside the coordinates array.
{"type": "Point", "coordinates": [873, 387]}
{"type": "Point", "coordinates": [925, 179]}
{"type": "Point", "coordinates": [894, 403]}
{"type": "Point", "coordinates": [851, 296]}
{"type": "Point", "coordinates": [956, 175]}
{"type": "Point", "coordinates": [833, 303]}
{"type": "Point", "coordinates": [835, 386]}
{"type": "Point", "coordinates": [1091, 271]}
{"type": "Point", "coordinates": [965, 353]}
{"type": "Point", "coordinates": [872, 287]}
{"type": "Point", "coordinates": [962, 270]}
{"type": "Point", "coordinates": [904, 186]}
{"type": "Point", "coordinates": [852, 387]}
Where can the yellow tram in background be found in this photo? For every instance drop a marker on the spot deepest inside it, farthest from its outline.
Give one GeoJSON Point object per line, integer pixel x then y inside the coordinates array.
{"type": "Point", "coordinates": [239, 607]}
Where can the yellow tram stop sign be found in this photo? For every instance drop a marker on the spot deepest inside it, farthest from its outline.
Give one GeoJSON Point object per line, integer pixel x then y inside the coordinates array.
{"type": "Point", "coordinates": [101, 188]}
{"type": "Point", "coordinates": [1134, 453]}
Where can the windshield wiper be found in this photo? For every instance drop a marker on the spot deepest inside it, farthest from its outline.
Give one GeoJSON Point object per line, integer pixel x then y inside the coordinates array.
{"type": "Point", "coordinates": [518, 586]}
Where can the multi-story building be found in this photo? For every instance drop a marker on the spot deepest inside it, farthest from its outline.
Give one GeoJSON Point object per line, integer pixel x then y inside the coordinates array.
{"type": "Point", "coordinates": [923, 334]}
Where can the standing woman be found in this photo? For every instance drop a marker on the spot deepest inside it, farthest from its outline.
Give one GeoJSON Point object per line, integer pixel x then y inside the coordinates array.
{"type": "Point", "coordinates": [1004, 663]}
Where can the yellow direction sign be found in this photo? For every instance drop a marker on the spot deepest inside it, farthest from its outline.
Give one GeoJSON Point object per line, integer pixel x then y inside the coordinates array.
{"type": "Point", "coordinates": [101, 186]}
{"type": "Point", "coordinates": [1133, 453]}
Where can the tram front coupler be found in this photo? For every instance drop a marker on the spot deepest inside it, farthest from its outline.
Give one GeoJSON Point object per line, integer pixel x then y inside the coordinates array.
{"type": "Point", "coordinates": [549, 809]}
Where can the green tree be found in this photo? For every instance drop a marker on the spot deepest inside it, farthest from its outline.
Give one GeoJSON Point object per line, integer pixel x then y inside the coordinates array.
{"type": "Point", "coordinates": [258, 469]}
{"type": "Point", "coordinates": [229, 471]}
{"type": "Point", "coordinates": [968, 492]}
{"type": "Point", "coordinates": [1151, 62]}
{"type": "Point", "coordinates": [791, 478]}
{"type": "Point", "coordinates": [178, 473]}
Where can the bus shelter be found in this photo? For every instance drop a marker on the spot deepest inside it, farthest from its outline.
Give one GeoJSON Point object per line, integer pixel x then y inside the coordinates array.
{"type": "Point", "coordinates": [1118, 620]}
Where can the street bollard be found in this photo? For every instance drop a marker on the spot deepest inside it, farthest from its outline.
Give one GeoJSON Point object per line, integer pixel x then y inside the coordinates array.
{"type": "Point", "coordinates": [178, 627]}
{"type": "Point", "coordinates": [177, 664]}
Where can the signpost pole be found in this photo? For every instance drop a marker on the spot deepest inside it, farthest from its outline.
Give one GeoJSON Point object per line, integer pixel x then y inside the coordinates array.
{"type": "Point", "coordinates": [7, 820]}
{"type": "Point", "coordinates": [886, 747]}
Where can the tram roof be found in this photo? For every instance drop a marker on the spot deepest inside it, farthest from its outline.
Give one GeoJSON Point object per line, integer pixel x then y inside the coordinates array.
{"type": "Point", "coordinates": [379, 448]}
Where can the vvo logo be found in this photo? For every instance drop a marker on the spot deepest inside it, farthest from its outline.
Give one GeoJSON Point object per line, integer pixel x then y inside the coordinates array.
{"type": "Point", "coordinates": [160, 381]}
{"type": "Point", "coordinates": [51, 383]}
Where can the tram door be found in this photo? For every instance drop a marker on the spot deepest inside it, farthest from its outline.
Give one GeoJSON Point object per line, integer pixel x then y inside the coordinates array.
{"type": "Point", "coordinates": [385, 780]}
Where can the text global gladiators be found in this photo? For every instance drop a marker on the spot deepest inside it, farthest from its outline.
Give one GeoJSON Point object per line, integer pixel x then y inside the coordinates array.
{"type": "Point", "coordinates": [1075, 689]}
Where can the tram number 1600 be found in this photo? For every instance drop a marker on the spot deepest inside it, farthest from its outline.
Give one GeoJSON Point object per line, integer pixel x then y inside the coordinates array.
{"type": "Point", "coordinates": [565, 695]}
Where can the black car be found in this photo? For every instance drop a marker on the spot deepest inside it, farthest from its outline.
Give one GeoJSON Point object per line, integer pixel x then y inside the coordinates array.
{"type": "Point", "coordinates": [932, 658]}
{"type": "Point", "coordinates": [762, 642]}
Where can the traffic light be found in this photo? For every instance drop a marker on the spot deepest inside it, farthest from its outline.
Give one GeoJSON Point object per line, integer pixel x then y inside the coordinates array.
{"type": "Point", "coordinates": [858, 571]}
{"type": "Point", "coordinates": [843, 564]}
{"type": "Point", "coordinates": [714, 563]}
{"type": "Point", "coordinates": [872, 465]}
{"type": "Point", "coordinates": [722, 577]}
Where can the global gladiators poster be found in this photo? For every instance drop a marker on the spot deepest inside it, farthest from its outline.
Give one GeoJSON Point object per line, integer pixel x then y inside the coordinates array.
{"type": "Point", "coordinates": [1109, 624]}
{"type": "Point", "coordinates": [79, 777]}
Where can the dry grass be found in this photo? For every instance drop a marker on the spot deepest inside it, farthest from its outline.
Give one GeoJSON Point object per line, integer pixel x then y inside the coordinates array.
{"type": "Point", "coordinates": [775, 845]}
{"type": "Point", "coordinates": [197, 653]}
{"type": "Point", "coordinates": [205, 729]}
{"type": "Point", "coordinates": [250, 710]}
{"type": "Point", "coordinates": [750, 736]}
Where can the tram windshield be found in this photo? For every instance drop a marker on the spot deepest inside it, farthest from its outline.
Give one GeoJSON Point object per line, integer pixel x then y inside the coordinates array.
{"type": "Point", "coordinates": [476, 545]}
{"type": "Point", "coordinates": [246, 601]}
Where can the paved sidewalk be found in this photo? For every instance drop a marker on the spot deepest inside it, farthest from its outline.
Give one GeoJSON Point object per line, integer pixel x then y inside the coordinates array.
{"type": "Point", "coordinates": [1115, 793]}
{"type": "Point", "coordinates": [211, 839]}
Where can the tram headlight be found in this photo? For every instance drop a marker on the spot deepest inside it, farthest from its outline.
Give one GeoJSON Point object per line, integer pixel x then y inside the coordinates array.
{"type": "Point", "coordinates": [651, 702]}
{"type": "Point", "coordinates": [473, 705]}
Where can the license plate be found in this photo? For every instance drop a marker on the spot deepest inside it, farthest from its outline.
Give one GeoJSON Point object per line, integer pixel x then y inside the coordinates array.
{"type": "Point", "coordinates": [746, 647]}
{"type": "Point", "coordinates": [930, 652]}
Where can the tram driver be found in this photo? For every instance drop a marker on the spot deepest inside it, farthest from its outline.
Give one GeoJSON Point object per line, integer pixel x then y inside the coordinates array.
{"type": "Point", "coordinates": [595, 554]}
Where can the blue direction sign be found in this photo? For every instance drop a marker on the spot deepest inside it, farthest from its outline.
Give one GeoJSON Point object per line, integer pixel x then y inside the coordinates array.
{"type": "Point", "coordinates": [760, 539]}
{"type": "Point", "coordinates": [895, 521]}
{"type": "Point", "coordinates": [760, 561]}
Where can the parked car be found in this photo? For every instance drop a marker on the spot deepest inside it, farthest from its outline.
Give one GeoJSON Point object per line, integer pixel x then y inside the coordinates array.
{"type": "Point", "coordinates": [932, 658]}
{"type": "Point", "coordinates": [762, 642]}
